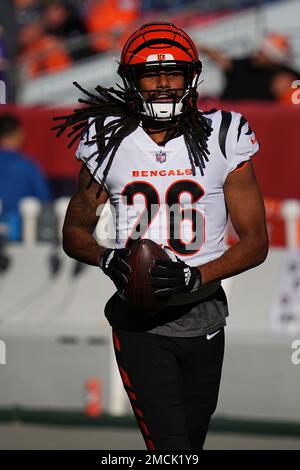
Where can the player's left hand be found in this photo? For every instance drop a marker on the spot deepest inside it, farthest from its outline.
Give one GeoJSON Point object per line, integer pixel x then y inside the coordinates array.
{"type": "Point", "coordinates": [174, 277]}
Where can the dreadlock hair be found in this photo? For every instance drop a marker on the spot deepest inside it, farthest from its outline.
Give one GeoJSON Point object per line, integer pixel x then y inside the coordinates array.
{"type": "Point", "coordinates": [110, 102]}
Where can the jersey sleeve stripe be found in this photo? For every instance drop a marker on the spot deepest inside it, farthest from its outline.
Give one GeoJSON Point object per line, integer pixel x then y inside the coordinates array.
{"type": "Point", "coordinates": [241, 124]}
{"type": "Point", "coordinates": [224, 127]}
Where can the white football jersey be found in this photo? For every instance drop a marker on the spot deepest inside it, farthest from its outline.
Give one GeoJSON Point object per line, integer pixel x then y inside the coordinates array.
{"type": "Point", "coordinates": [155, 195]}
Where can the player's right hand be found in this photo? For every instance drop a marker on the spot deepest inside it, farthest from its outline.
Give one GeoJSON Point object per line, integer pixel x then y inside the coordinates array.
{"type": "Point", "coordinates": [113, 264]}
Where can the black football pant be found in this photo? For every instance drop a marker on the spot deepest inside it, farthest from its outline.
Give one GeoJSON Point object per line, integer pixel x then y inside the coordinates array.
{"type": "Point", "coordinates": [172, 384]}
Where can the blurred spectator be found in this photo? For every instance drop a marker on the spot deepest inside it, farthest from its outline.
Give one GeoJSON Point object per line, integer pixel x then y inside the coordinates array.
{"type": "Point", "coordinates": [106, 19]}
{"type": "Point", "coordinates": [18, 177]}
{"type": "Point", "coordinates": [27, 11]}
{"type": "Point", "coordinates": [264, 75]}
{"type": "Point", "coordinates": [61, 20]}
{"type": "Point", "coordinates": [204, 5]}
{"type": "Point", "coordinates": [8, 47]}
{"type": "Point", "coordinates": [281, 86]}
{"type": "Point", "coordinates": [3, 60]}
{"type": "Point", "coordinates": [150, 5]}
{"type": "Point", "coordinates": [41, 52]}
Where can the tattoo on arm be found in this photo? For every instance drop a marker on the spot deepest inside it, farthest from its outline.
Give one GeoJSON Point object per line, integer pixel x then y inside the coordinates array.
{"type": "Point", "coordinates": [81, 219]}
{"type": "Point", "coordinates": [86, 204]}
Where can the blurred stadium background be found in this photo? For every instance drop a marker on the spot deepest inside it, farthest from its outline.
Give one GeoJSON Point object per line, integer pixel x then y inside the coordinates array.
{"type": "Point", "coordinates": [59, 385]}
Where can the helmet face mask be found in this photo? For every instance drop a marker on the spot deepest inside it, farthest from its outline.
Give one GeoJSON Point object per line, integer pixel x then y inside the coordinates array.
{"type": "Point", "coordinates": [159, 48]}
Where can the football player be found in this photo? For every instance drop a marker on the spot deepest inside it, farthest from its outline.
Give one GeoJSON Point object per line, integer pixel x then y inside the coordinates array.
{"type": "Point", "coordinates": [172, 173]}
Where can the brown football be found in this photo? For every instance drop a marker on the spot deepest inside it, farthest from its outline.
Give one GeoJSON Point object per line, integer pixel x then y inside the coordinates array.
{"type": "Point", "coordinates": [139, 292]}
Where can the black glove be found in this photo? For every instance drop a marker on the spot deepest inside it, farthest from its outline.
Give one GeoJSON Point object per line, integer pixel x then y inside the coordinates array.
{"type": "Point", "coordinates": [174, 277]}
{"type": "Point", "coordinates": [113, 265]}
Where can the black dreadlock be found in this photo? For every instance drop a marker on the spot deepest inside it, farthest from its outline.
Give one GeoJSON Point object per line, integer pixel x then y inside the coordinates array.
{"type": "Point", "coordinates": [118, 103]}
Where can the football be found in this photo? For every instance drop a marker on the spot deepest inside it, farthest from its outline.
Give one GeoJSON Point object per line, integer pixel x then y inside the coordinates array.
{"type": "Point", "coordinates": [139, 292]}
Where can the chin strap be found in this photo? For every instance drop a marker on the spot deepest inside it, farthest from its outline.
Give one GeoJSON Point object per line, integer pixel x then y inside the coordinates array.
{"type": "Point", "coordinates": [165, 111]}
{"type": "Point", "coordinates": [162, 111]}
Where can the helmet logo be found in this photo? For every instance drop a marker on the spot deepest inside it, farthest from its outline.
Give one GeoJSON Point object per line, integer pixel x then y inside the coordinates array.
{"type": "Point", "coordinates": [159, 57]}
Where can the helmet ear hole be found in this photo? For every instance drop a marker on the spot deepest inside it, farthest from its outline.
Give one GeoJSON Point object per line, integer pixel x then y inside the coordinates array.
{"type": "Point", "coordinates": [120, 70]}
{"type": "Point", "coordinates": [198, 66]}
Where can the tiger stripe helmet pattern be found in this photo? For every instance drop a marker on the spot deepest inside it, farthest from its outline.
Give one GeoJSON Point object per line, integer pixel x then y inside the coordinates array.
{"type": "Point", "coordinates": [165, 45]}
